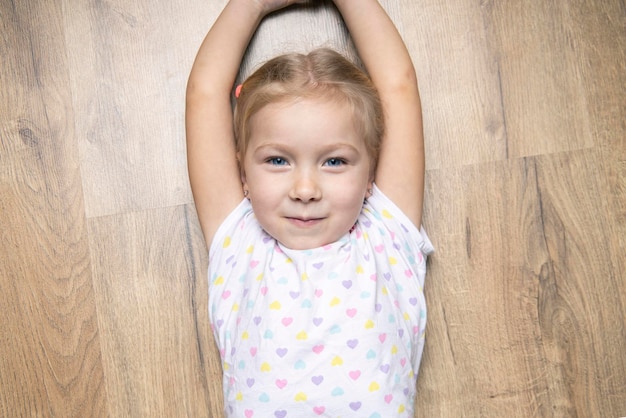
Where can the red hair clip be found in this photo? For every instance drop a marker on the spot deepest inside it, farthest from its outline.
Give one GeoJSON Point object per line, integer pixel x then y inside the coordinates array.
{"type": "Point", "coordinates": [238, 90]}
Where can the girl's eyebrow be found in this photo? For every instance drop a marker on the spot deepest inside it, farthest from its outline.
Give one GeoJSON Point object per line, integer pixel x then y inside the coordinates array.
{"type": "Point", "coordinates": [340, 146]}
{"type": "Point", "coordinates": [270, 148]}
{"type": "Point", "coordinates": [343, 146]}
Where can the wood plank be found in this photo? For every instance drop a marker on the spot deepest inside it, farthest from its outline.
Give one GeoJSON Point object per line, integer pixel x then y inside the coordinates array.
{"type": "Point", "coordinates": [604, 51]}
{"type": "Point", "coordinates": [537, 47]}
{"type": "Point", "coordinates": [582, 302]}
{"type": "Point", "coordinates": [151, 290]}
{"type": "Point", "coordinates": [129, 64]}
{"type": "Point", "coordinates": [482, 294]}
{"type": "Point", "coordinates": [523, 288]}
{"type": "Point", "coordinates": [459, 82]}
{"type": "Point", "coordinates": [600, 31]}
{"type": "Point", "coordinates": [49, 342]}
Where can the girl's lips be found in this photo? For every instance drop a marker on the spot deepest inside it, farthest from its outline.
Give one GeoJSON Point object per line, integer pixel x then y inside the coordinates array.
{"type": "Point", "coordinates": [305, 222]}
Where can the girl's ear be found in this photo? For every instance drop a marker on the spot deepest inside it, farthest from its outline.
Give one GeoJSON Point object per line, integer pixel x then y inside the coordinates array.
{"type": "Point", "coordinates": [370, 188]}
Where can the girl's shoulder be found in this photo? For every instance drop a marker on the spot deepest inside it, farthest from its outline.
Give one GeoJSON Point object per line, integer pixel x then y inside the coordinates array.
{"type": "Point", "coordinates": [239, 225]}
{"type": "Point", "coordinates": [379, 210]}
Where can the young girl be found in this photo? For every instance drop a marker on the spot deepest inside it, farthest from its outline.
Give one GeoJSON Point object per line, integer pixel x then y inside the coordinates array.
{"type": "Point", "coordinates": [310, 198]}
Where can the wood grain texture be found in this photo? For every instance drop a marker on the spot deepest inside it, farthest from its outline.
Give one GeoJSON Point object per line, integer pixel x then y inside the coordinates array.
{"type": "Point", "coordinates": [103, 266]}
{"type": "Point", "coordinates": [458, 72]}
{"type": "Point", "coordinates": [151, 291]}
{"type": "Point", "coordinates": [582, 279]}
{"type": "Point", "coordinates": [516, 293]}
{"type": "Point", "coordinates": [537, 46]}
{"type": "Point", "coordinates": [50, 355]}
{"type": "Point", "coordinates": [129, 65]}
{"type": "Point", "coordinates": [605, 57]}
{"type": "Point", "coordinates": [483, 295]}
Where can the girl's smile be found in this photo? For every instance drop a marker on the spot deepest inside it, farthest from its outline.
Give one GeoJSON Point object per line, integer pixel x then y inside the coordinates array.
{"type": "Point", "coordinates": [307, 171]}
{"type": "Point", "coordinates": [305, 222]}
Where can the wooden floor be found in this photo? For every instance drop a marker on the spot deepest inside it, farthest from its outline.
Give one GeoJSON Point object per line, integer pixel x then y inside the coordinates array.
{"type": "Point", "coordinates": [103, 306]}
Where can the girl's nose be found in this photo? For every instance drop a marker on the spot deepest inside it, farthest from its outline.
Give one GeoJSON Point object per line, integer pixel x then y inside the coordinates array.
{"type": "Point", "coordinates": [305, 189]}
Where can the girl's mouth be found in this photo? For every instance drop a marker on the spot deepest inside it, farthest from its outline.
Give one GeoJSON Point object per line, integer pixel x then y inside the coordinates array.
{"type": "Point", "coordinates": [305, 222]}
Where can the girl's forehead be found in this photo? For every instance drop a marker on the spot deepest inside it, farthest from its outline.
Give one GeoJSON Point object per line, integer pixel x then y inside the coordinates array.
{"type": "Point", "coordinates": [329, 108]}
{"type": "Point", "coordinates": [320, 120]}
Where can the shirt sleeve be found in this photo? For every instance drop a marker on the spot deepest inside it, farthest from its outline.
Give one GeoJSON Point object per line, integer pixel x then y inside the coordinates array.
{"type": "Point", "coordinates": [236, 220]}
{"type": "Point", "coordinates": [414, 241]}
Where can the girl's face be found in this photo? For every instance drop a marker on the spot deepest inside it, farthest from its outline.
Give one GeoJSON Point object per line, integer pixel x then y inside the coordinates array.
{"type": "Point", "coordinates": [307, 171]}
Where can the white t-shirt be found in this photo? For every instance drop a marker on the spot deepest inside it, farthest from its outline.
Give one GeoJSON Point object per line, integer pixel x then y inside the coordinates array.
{"type": "Point", "coordinates": [333, 331]}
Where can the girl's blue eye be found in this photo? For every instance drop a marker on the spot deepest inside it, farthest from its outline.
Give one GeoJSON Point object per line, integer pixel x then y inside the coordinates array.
{"type": "Point", "coordinates": [277, 161]}
{"type": "Point", "coordinates": [335, 162]}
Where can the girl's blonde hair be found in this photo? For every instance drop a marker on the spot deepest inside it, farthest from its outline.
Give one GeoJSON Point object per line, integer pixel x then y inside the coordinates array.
{"type": "Point", "coordinates": [323, 73]}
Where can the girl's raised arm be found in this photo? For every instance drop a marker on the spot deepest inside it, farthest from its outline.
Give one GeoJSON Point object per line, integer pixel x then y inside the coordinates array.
{"type": "Point", "coordinates": [400, 172]}
{"type": "Point", "coordinates": [211, 156]}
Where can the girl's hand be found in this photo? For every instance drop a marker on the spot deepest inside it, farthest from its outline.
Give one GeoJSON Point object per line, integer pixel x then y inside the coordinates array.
{"type": "Point", "coordinates": [269, 6]}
